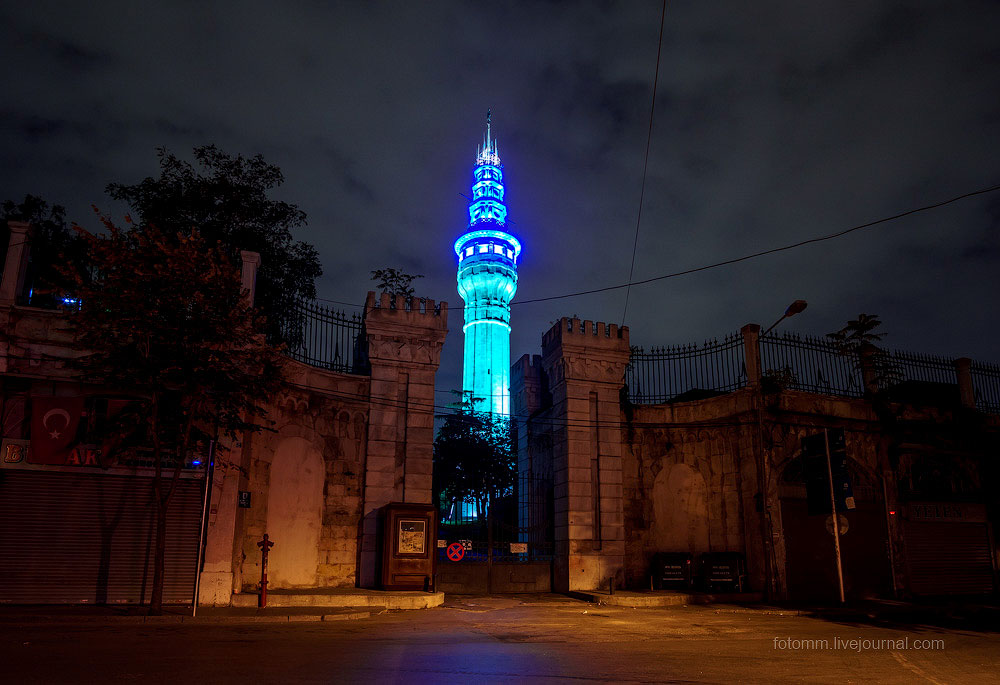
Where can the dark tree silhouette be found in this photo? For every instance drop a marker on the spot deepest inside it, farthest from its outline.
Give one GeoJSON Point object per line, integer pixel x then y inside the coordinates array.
{"type": "Point", "coordinates": [53, 245]}
{"type": "Point", "coordinates": [859, 340]}
{"type": "Point", "coordinates": [394, 281]}
{"type": "Point", "coordinates": [164, 318]}
{"type": "Point", "coordinates": [474, 459]}
{"type": "Point", "coordinates": [228, 199]}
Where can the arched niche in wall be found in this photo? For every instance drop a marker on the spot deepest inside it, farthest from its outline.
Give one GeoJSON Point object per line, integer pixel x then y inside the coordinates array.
{"type": "Point", "coordinates": [680, 511]}
{"type": "Point", "coordinates": [295, 513]}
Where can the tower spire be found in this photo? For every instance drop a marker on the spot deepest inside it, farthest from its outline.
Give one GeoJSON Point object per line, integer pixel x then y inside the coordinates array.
{"type": "Point", "coordinates": [487, 280]}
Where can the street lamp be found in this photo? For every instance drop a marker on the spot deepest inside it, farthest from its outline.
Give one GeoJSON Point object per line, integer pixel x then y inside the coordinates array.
{"type": "Point", "coordinates": [794, 308]}
{"type": "Point", "coordinates": [766, 530]}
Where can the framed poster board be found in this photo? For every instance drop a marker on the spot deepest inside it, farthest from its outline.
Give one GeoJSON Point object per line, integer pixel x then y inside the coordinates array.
{"type": "Point", "coordinates": [411, 536]}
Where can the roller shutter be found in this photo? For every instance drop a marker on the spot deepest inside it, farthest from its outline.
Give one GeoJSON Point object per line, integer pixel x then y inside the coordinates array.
{"type": "Point", "coordinates": [88, 538]}
{"type": "Point", "coordinates": [949, 558]}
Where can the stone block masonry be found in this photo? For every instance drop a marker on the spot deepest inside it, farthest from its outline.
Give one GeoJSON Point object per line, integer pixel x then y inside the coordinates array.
{"type": "Point", "coordinates": [404, 349]}
{"type": "Point", "coordinates": [584, 363]}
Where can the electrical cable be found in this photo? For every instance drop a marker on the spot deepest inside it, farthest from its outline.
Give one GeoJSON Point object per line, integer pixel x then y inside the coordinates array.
{"type": "Point", "coordinates": [645, 162]}
{"type": "Point", "coordinates": [753, 255]}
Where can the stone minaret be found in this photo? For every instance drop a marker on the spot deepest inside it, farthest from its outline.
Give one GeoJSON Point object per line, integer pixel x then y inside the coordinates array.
{"type": "Point", "coordinates": [487, 281]}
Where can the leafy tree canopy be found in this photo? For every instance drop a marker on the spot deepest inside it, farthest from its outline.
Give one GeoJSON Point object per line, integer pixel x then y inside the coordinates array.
{"type": "Point", "coordinates": [163, 317]}
{"type": "Point", "coordinates": [858, 340]}
{"type": "Point", "coordinates": [52, 245]}
{"type": "Point", "coordinates": [858, 333]}
{"type": "Point", "coordinates": [395, 281]}
{"type": "Point", "coordinates": [228, 200]}
{"type": "Point", "coordinates": [474, 458]}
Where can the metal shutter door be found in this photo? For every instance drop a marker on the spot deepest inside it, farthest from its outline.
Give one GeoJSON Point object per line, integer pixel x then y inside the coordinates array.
{"type": "Point", "coordinates": [87, 538]}
{"type": "Point", "coordinates": [949, 558]}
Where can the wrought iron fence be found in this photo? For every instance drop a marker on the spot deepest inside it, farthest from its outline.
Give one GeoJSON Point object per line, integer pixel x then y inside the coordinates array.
{"type": "Point", "coordinates": [911, 366]}
{"type": "Point", "coordinates": [325, 337]}
{"type": "Point", "coordinates": [803, 362]}
{"type": "Point", "coordinates": [677, 373]}
{"type": "Point", "coordinates": [986, 386]}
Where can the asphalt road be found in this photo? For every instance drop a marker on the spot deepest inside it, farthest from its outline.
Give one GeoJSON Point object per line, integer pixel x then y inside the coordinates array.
{"type": "Point", "coordinates": [479, 640]}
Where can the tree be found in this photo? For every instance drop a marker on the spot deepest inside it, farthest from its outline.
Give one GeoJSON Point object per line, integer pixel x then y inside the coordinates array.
{"type": "Point", "coordinates": [857, 333]}
{"type": "Point", "coordinates": [474, 458]}
{"type": "Point", "coordinates": [52, 243]}
{"type": "Point", "coordinates": [164, 318]}
{"type": "Point", "coordinates": [857, 340]}
{"type": "Point", "coordinates": [394, 281]}
{"type": "Point", "coordinates": [227, 199]}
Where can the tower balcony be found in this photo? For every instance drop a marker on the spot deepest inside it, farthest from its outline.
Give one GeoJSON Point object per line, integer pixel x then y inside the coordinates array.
{"type": "Point", "coordinates": [487, 245]}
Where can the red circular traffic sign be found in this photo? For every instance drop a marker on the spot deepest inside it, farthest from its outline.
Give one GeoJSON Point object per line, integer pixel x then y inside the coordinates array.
{"type": "Point", "coordinates": [455, 551]}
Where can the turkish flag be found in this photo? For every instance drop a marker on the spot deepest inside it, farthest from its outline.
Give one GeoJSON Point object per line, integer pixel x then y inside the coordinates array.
{"type": "Point", "coordinates": [54, 422]}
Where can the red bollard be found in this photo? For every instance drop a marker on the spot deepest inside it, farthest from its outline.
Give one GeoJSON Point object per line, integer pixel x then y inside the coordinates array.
{"type": "Point", "coordinates": [265, 546]}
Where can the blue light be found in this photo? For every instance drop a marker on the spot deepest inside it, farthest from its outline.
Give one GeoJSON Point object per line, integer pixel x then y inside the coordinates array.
{"type": "Point", "coordinates": [196, 462]}
{"type": "Point", "coordinates": [487, 280]}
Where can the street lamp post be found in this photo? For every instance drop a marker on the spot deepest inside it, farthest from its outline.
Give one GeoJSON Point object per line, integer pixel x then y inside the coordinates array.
{"type": "Point", "coordinates": [796, 307]}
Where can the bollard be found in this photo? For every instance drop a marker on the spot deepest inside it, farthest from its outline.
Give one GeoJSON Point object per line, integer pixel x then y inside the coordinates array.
{"type": "Point", "coordinates": [265, 546]}
{"type": "Point", "coordinates": [611, 585]}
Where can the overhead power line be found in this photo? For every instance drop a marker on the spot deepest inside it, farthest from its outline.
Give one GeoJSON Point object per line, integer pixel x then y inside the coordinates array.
{"type": "Point", "coordinates": [753, 255]}
{"type": "Point", "coordinates": [645, 161]}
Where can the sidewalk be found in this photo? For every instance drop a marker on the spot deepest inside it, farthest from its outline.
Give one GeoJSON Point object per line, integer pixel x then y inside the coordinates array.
{"type": "Point", "coordinates": [102, 615]}
{"type": "Point", "coordinates": [663, 598]}
{"type": "Point", "coordinates": [284, 606]}
{"type": "Point", "coordinates": [979, 613]}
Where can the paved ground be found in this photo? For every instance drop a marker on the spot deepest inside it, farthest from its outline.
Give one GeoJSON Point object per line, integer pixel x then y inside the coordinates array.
{"type": "Point", "coordinates": [538, 639]}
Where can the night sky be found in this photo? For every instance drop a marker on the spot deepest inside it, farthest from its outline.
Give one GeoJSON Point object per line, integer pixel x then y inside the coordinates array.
{"type": "Point", "coordinates": [775, 121]}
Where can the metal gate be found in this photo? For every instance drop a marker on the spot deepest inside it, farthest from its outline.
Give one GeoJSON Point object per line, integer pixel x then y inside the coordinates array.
{"type": "Point", "coordinates": [507, 544]}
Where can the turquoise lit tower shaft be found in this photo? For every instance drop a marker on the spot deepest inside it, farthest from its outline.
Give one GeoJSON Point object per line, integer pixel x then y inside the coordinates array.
{"type": "Point", "coordinates": [487, 281]}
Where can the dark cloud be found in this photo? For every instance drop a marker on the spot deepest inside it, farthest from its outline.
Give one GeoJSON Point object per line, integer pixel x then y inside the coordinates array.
{"type": "Point", "coordinates": [775, 121]}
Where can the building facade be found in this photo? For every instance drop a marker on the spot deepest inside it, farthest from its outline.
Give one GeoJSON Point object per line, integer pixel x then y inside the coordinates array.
{"type": "Point", "coordinates": [352, 431]}
{"type": "Point", "coordinates": [487, 280]}
{"type": "Point", "coordinates": [699, 450]}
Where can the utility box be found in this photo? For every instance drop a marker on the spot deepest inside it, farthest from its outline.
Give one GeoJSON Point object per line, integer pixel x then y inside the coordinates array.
{"type": "Point", "coordinates": [672, 570]}
{"type": "Point", "coordinates": [725, 569]}
{"type": "Point", "coordinates": [409, 546]}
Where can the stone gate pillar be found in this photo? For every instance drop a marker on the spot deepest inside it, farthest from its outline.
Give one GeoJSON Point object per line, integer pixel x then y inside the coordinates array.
{"type": "Point", "coordinates": [585, 363]}
{"type": "Point", "coordinates": [404, 347]}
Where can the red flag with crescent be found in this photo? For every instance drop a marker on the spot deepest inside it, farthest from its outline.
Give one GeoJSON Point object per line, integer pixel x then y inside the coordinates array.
{"type": "Point", "coordinates": [54, 422]}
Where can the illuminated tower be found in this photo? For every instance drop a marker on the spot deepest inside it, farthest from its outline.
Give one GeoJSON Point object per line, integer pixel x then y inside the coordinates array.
{"type": "Point", "coordinates": [487, 280]}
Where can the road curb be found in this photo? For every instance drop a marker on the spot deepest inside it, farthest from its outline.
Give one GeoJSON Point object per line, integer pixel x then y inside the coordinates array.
{"type": "Point", "coordinates": [661, 599]}
{"type": "Point", "coordinates": [185, 620]}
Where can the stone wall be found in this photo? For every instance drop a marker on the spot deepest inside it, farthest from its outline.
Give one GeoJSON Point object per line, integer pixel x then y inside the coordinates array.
{"type": "Point", "coordinates": [404, 346]}
{"type": "Point", "coordinates": [578, 440]}
{"type": "Point", "coordinates": [312, 423]}
{"type": "Point", "coordinates": [336, 449]}
{"type": "Point", "coordinates": [686, 486]}
{"type": "Point", "coordinates": [719, 474]}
